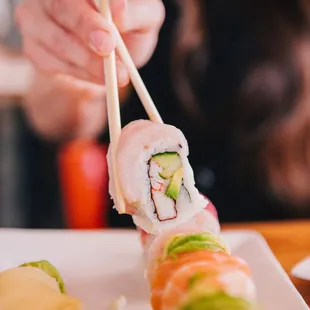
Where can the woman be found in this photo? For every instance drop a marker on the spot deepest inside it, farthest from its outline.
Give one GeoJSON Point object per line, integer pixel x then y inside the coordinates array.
{"type": "Point", "coordinates": [235, 75]}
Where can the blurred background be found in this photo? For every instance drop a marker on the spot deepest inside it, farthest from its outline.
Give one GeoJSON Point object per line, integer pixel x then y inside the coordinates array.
{"type": "Point", "coordinates": [232, 75]}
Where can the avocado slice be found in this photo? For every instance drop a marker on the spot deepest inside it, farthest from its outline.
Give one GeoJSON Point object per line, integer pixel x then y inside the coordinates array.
{"type": "Point", "coordinates": [195, 242]}
{"type": "Point", "coordinates": [174, 187]}
{"type": "Point", "coordinates": [50, 270]}
{"type": "Point", "coordinates": [169, 161]}
{"type": "Point", "coordinates": [219, 301]}
{"type": "Point", "coordinates": [196, 278]}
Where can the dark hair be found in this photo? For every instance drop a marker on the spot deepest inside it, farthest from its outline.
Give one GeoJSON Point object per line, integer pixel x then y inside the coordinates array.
{"type": "Point", "coordinates": [246, 77]}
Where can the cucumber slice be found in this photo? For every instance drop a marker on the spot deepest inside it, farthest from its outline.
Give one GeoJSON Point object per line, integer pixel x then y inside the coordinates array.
{"type": "Point", "coordinates": [170, 162]}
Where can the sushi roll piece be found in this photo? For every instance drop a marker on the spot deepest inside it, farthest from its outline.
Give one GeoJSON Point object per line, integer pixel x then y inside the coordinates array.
{"type": "Point", "coordinates": [35, 286]}
{"type": "Point", "coordinates": [155, 176]}
{"type": "Point", "coordinates": [204, 221]}
{"type": "Point", "coordinates": [196, 272]}
{"type": "Point", "coordinates": [179, 241]}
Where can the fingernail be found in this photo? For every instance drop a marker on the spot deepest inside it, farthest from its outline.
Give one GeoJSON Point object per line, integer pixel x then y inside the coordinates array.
{"type": "Point", "coordinates": [102, 42]}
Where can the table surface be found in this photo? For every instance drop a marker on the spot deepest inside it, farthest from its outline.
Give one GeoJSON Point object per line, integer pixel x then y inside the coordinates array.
{"type": "Point", "coordinates": [290, 242]}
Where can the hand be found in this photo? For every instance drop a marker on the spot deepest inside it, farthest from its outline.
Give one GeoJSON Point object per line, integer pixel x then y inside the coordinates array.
{"type": "Point", "coordinates": [63, 107]}
{"type": "Point", "coordinates": [71, 36]}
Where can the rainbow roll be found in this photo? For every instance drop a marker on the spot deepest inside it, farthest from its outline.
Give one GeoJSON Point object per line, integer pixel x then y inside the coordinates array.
{"type": "Point", "coordinates": [190, 267]}
{"type": "Point", "coordinates": [155, 176]}
{"type": "Point", "coordinates": [194, 271]}
{"type": "Point", "coordinates": [206, 279]}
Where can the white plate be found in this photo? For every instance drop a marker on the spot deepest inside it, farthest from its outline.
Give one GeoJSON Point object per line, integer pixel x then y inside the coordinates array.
{"type": "Point", "coordinates": [302, 269]}
{"type": "Point", "coordinates": [100, 266]}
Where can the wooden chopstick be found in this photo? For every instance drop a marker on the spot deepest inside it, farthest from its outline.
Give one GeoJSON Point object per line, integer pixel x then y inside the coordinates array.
{"type": "Point", "coordinates": [113, 108]}
{"type": "Point", "coordinates": [136, 80]}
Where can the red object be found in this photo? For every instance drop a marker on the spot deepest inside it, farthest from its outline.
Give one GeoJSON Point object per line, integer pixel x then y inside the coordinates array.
{"type": "Point", "coordinates": [212, 209]}
{"type": "Point", "coordinates": [84, 184]}
{"type": "Point", "coordinates": [143, 236]}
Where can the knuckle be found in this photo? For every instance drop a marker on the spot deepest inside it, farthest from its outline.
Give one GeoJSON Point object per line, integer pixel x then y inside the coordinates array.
{"type": "Point", "coordinates": [58, 42]}
{"type": "Point", "coordinates": [31, 52]}
{"type": "Point", "coordinates": [72, 40]}
{"type": "Point", "coordinates": [65, 43]}
{"type": "Point", "coordinates": [62, 9]}
{"type": "Point", "coordinates": [55, 7]}
{"type": "Point", "coordinates": [81, 20]}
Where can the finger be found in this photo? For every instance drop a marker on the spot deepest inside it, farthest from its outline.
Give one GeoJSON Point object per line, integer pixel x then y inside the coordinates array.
{"type": "Point", "coordinates": [92, 116]}
{"type": "Point", "coordinates": [122, 73]}
{"type": "Point", "coordinates": [119, 10]}
{"type": "Point", "coordinates": [48, 63]}
{"type": "Point", "coordinates": [63, 44]}
{"type": "Point", "coordinates": [141, 46]}
{"type": "Point", "coordinates": [143, 16]}
{"type": "Point", "coordinates": [93, 4]}
{"type": "Point", "coordinates": [83, 21]}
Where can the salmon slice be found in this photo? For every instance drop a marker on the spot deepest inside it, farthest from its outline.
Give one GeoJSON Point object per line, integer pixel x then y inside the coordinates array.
{"type": "Point", "coordinates": [201, 278]}
{"type": "Point", "coordinates": [166, 270]}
